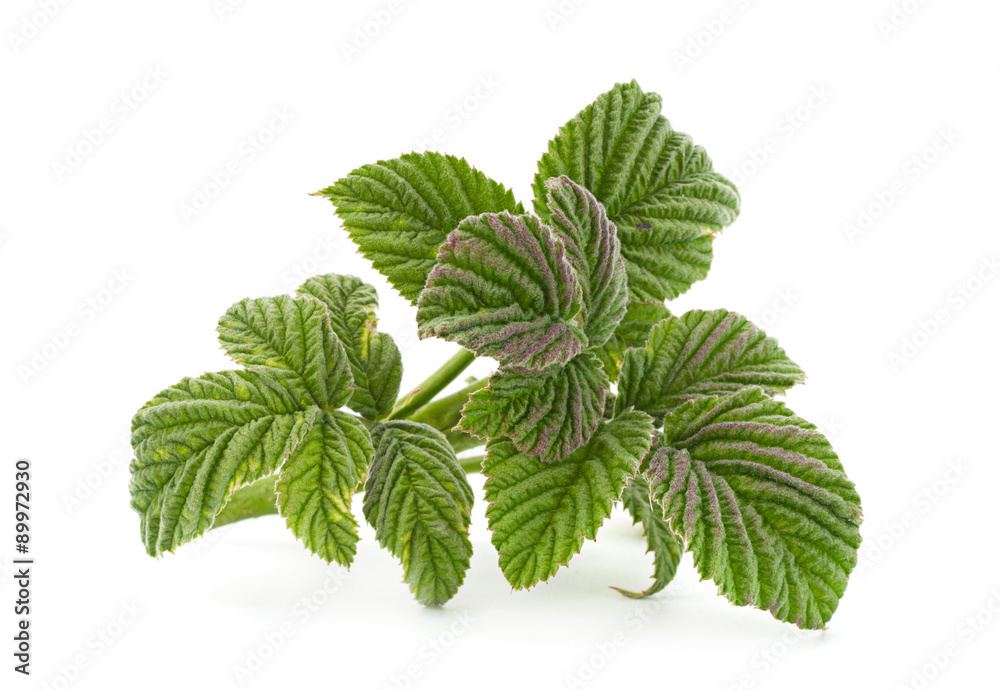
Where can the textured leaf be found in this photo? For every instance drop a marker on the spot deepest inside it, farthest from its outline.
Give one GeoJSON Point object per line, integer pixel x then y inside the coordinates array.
{"type": "Point", "coordinates": [763, 503]}
{"type": "Point", "coordinates": [503, 288]}
{"type": "Point", "coordinates": [316, 484]}
{"type": "Point", "coordinates": [702, 353]}
{"type": "Point", "coordinates": [400, 211]}
{"type": "Point", "coordinates": [631, 332]}
{"type": "Point", "coordinates": [419, 502]}
{"type": "Point", "coordinates": [547, 415]}
{"type": "Point", "coordinates": [375, 361]}
{"type": "Point", "coordinates": [658, 187]}
{"type": "Point", "coordinates": [540, 513]}
{"type": "Point", "coordinates": [293, 335]}
{"type": "Point", "coordinates": [667, 548]}
{"type": "Point", "coordinates": [197, 442]}
{"type": "Point", "coordinates": [592, 248]}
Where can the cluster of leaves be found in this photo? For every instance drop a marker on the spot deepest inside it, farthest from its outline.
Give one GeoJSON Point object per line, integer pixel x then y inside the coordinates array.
{"type": "Point", "coordinates": [601, 394]}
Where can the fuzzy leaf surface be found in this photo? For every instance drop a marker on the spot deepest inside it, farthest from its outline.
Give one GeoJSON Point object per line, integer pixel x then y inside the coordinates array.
{"type": "Point", "coordinates": [541, 513]}
{"type": "Point", "coordinates": [502, 287]}
{"type": "Point", "coordinates": [657, 185]}
{"type": "Point", "coordinates": [376, 363]}
{"type": "Point", "coordinates": [290, 334]}
{"type": "Point", "coordinates": [546, 415]}
{"type": "Point", "coordinates": [317, 482]}
{"type": "Point", "coordinates": [198, 441]}
{"type": "Point", "coordinates": [400, 211]}
{"type": "Point", "coordinates": [420, 503]}
{"type": "Point", "coordinates": [763, 504]}
{"type": "Point", "coordinates": [592, 248]}
{"type": "Point", "coordinates": [633, 331]}
{"type": "Point", "coordinates": [667, 548]}
{"type": "Point", "coordinates": [702, 353]}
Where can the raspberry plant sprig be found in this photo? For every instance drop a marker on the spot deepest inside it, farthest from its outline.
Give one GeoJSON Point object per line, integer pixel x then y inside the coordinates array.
{"type": "Point", "coordinates": [601, 394]}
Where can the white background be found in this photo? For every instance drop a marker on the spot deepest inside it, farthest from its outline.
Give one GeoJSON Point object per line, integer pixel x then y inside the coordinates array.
{"type": "Point", "coordinates": [839, 305]}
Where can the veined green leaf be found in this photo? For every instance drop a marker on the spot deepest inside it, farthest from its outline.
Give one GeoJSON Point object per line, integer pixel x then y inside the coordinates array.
{"type": "Point", "coordinates": [293, 335]}
{"type": "Point", "coordinates": [316, 484]}
{"type": "Point", "coordinates": [420, 503]}
{"type": "Point", "coordinates": [592, 248]}
{"type": "Point", "coordinates": [375, 360]}
{"type": "Point", "coordinates": [540, 513]}
{"type": "Point", "coordinates": [667, 548]}
{"type": "Point", "coordinates": [197, 442]}
{"type": "Point", "coordinates": [548, 415]}
{"type": "Point", "coordinates": [702, 353]}
{"type": "Point", "coordinates": [658, 187]}
{"type": "Point", "coordinates": [763, 503]}
{"type": "Point", "coordinates": [399, 211]}
{"type": "Point", "coordinates": [503, 288]}
{"type": "Point", "coordinates": [633, 331]}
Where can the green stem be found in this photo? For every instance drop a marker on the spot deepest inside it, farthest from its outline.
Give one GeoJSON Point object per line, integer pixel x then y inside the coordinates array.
{"type": "Point", "coordinates": [249, 502]}
{"type": "Point", "coordinates": [472, 465]}
{"type": "Point", "coordinates": [435, 383]}
{"type": "Point", "coordinates": [444, 413]}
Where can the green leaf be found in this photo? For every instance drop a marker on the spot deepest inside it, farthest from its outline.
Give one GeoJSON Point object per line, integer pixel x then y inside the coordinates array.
{"type": "Point", "coordinates": [400, 211]}
{"type": "Point", "coordinates": [375, 361]}
{"type": "Point", "coordinates": [540, 513]}
{"type": "Point", "coordinates": [292, 335]}
{"type": "Point", "coordinates": [702, 353]}
{"type": "Point", "coordinates": [592, 248]}
{"type": "Point", "coordinates": [420, 503]}
{"type": "Point", "coordinates": [502, 287]}
{"type": "Point", "coordinates": [658, 187]}
{"type": "Point", "coordinates": [763, 503]}
{"type": "Point", "coordinates": [316, 484]}
{"type": "Point", "coordinates": [197, 442]}
{"type": "Point", "coordinates": [546, 415]}
{"type": "Point", "coordinates": [667, 548]}
{"type": "Point", "coordinates": [631, 332]}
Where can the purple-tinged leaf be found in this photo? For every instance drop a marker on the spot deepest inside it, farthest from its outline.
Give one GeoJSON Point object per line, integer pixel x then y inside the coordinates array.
{"type": "Point", "coordinates": [503, 288]}
{"type": "Point", "coordinates": [762, 502]}
{"type": "Point", "coordinates": [546, 415]}
{"type": "Point", "coordinates": [592, 248]}
{"type": "Point", "coordinates": [657, 185]}
{"type": "Point", "coordinates": [702, 353]}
